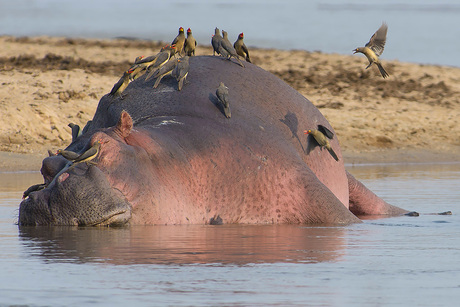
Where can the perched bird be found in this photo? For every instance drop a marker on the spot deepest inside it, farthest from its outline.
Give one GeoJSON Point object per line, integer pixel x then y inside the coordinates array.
{"type": "Point", "coordinates": [374, 48]}
{"type": "Point", "coordinates": [34, 188]}
{"type": "Point", "coordinates": [222, 95]}
{"type": "Point", "coordinates": [215, 42]}
{"type": "Point", "coordinates": [86, 157]}
{"type": "Point", "coordinates": [322, 139]}
{"type": "Point", "coordinates": [120, 86]}
{"type": "Point", "coordinates": [164, 70]}
{"type": "Point", "coordinates": [68, 154]}
{"type": "Point", "coordinates": [142, 63]}
{"type": "Point", "coordinates": [90, 154]}
{"type": "Point", "coordinates": [241, 48]}
{"type": "Point", "coordinates": [190, 43]}
{"type": "Point", "coordinates": [179, 41]}
{"type": "Point", "coordinates": [228, 47]}
{"type": "Point", "coordinates": [162, 58]}
{"type": "Point", "coordinates": [138, 59]}
{"type": "Point", "coordinates": [76, 131]}
{"type": "Point", "coordinates": [180, 72]}
{"type": "Point", "coordinates": [134, 75]}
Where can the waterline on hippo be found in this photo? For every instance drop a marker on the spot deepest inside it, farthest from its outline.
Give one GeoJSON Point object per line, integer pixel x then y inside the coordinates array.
{"type": "Point", "coordinates": [172, 157]}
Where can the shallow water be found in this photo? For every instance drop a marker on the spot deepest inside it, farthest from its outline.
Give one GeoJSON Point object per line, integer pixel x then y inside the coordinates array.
{"type": "Point", "coordinates": [404, 261]}
{"type": "Point", "coordinates": [420, 31]}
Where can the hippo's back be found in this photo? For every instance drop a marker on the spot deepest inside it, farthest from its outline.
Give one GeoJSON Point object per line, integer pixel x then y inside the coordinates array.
{"type": "Point", "coordinates": [263, 108]}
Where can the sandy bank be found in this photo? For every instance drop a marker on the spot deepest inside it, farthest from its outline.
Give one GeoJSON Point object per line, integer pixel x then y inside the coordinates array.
{"type": "Point", "coordinates": [413, 116]}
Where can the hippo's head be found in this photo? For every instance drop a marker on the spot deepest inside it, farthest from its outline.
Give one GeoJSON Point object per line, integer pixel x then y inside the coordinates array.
{"type": "Point", "coordinates": [85, 194]}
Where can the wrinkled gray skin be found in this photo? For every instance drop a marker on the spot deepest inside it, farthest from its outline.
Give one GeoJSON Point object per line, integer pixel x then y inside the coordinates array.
{"type": "Point", "coordinates": [172, 157]}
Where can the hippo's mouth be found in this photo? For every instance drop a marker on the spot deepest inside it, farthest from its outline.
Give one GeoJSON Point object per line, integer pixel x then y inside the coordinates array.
{"type": "Point", "coordinates": [117, 219]}
{"type": "Point", "coordinates": [81, 199]}
{"type": "Point", "coordinates": [37, 211]}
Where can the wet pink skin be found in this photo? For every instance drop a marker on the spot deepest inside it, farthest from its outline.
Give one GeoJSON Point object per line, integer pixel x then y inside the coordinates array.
{"type": "Point", "coordinates": [181, 187]}
{"type": "Point", "coordinates": [174, 157]}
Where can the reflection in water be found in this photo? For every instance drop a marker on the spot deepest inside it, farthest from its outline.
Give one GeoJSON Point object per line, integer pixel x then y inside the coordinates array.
{"type": "Point", "coordinates": [229, 244]}
{"type": "Point", "coordinates": [393, 261]}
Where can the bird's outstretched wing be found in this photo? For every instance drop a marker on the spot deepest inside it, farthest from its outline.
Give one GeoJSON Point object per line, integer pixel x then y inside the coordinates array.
{"type": "Point", "coordinates": [377, 41]}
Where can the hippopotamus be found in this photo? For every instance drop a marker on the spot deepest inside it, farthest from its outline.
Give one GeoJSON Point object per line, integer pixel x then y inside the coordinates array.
{"type": "Point", "coordinates": [170, 157]}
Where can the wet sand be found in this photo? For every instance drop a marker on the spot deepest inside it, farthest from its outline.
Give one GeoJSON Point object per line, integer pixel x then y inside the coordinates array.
{"type": "Point", "coordinates": [413, 116]}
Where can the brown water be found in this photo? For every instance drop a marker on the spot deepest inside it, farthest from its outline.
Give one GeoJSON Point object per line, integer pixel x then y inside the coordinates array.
{"type": "Point", "coordinates": [403, 261]}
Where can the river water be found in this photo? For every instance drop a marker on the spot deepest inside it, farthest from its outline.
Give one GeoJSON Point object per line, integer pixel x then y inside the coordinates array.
{"type": "Point", "coordinates": [404, 261]}
{"type": "Point", "coordinates": [420, 31]}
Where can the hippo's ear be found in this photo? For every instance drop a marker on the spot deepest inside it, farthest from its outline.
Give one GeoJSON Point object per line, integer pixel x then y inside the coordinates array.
{"type": "Point", "coordinates": [125, 124]}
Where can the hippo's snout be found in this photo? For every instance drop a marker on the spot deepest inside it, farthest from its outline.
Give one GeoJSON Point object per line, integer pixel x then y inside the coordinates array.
{"type": "Point", "coordinates": [34, 210]}
{"type": "Point", "coordinates": [83, 198]}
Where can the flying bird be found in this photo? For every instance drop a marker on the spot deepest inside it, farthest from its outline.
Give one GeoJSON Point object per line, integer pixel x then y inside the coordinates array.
{"type": "Point", "coordinates": [374, 48]}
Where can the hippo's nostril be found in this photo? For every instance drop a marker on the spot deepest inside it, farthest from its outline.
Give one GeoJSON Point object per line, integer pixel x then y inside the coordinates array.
{"type": "Point", "coordinates": [51, 166]}
{"type": "Point", "coordinates": [47, 179]}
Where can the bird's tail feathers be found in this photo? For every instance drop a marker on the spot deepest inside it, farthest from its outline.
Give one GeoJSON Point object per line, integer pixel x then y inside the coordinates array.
{"type": "Point", "coordinates": [382, 71]}
{"type": "Point", "coordinates": [157, 81]}
{"type": "Point", "coordinates": [227, 112]}
{"type": "Point", "coordinates": [152, 73]}
{"type": "Point", "coordinates": [331, 151]}
{"type": "Point", "coordinates": [184, 80]}
{"type": "Point", "coordinates": [239, 61]}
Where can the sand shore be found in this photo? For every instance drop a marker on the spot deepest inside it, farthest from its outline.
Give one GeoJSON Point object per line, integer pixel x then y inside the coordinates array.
{"type": "Point", "coordinates": [48, 82]}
